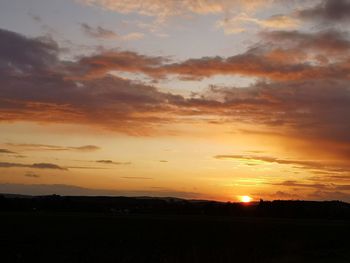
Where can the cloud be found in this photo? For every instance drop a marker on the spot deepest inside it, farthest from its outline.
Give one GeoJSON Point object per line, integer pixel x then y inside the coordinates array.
{"type": "Point", "coordinates": [330, 195]}
{"type": "Point", "coordinates": [321, 191]}
{"type": "Point", "coordinates": [100, 64]}
{"type": "Point", "coordinates": [116, 103]}
{"type": "Point", "coordinates": [31, 175]}
{"type": "Point", "coordinates": [36, 18]}
{"type": "Point", "coordinates": [279, 195]}
{"type": "Point", "coordinates": [164, 9]}
{"type": "Point", "coordinates": [238, 24]}
{"type": "Point", "coordinates": [292, 183]}
{"type": "Point", "coordinates": [328, 11]}
{"type": "Point", "coordinates": [330, 42]}
{"type": "Point", "coordinates": [319, 194]}
{"type": "Point", "coordinates": [112, 162]}
{"type": "Point", "coordinates": [85, 148]}
{"type": "Point", "coordinates": [302, 88]}
{"type": "Point", "coordinates": [281, 56]}
{"type": "Point", "coordinates": [280, 60]}
{"type": "Point", "coordinates": [48, 147]}
{"type": "Point", "coordinates": [303, 164]}
{"type": "Point", "coordinates": [7, 151]}
{"type": "Point", "coordinates": [98, 32]}
{"type": "Point", "coordinates": [133, 36]}
{"type": "Point", "coordinates": [103, 33]}
{"type": "Point", "coordinates": [35, 53]}
{"type": "Point", "coordinates": [34, 165]}
{"type": "Point", "coordinates": [279, 22]}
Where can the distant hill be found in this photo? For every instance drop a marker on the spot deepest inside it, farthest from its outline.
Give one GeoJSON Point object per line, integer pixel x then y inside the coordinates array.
{"type": "Point", "coordinates": [169, 205]}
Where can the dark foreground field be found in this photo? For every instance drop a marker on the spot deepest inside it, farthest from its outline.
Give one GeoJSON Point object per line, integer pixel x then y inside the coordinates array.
{"type": "Point", "coordinates": [88, 237]}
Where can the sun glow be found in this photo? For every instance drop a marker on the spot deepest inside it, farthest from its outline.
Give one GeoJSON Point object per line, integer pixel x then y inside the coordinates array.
{"type": "Point", "coordinates": [245, 199]}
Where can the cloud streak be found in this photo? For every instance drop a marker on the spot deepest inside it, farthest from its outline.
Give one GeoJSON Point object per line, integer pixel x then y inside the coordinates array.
{"type": "Point", "coordinates": [112, 162]}
{"type": "Point", "coordinates": [34, 165]}
{"type": "Point", "coordinates": [5, 151]}
{"type": "Point", "coordinates": [107, 34]}
{"type": "Point", "coordinates": [49, 147]}
{"type": "Point", "coordinates": [302, 164]}
{"type": "Point", "coordinates": [164, 9]}
{"type": "Point", "coordinates": [98, 32]}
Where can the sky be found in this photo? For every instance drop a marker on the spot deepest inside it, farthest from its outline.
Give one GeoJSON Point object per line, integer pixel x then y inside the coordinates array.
{"type": "Point", "coordinates": [197, 99]}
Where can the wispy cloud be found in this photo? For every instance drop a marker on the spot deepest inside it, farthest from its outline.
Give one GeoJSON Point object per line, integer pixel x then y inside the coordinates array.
{"type": "Point", "coordinates": [49, 147]}
{"type": "Point", "coordinates": [98, 32]}
{"type": "Point", "coordinates": [303, 164]}
{"type": "Point", "coordinates": [34, 165]}
{"type": "Point", "coordinates": [5, 151]}
{"type": "Point", "coordinates": [31, 175]}
{"type": "Point", "coordinates": [164, 9]}
{"type": "Point", "coordinates": [328, 11]}
{"type": "Point", "coordinates": [113, 162]}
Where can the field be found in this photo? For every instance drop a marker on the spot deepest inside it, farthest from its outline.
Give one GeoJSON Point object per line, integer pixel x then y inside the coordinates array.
{"type": "Point", "coordinates": [89, 237]}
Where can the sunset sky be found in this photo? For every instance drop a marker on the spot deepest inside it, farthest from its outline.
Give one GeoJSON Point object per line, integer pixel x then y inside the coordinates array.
{"type": "Point", "coordinates": [199, 99]}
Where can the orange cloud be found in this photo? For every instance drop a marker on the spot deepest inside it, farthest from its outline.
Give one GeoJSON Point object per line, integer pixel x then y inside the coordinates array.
{"type": "Point", "coordinates": [315, 166]}
{"type": "Point", "coordinates": [304, 100]}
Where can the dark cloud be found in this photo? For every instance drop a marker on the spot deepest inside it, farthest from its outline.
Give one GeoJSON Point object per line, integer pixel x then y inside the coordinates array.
{"type": "Point", "coordinates": [19, 53]}
{"type": "Point", "coordinates": [98, 32]}
{"type": "Point", "coordinates": [99, 64]}
{"type": "Point", "coordinates": [306, 100]}
{"type": "Point", "coordinates": [85, 148]}
{"type": "Point", "coordinates": [283, 55]}
{"type": "Point", "coordinates": [115, 103]}
{"type": "Point", "coordinates": [318, 194]}
{"type": "Point", "coordinates": [36, 18]}
{"type": "Point", "coordinates": [327, 42]}
{"type": "Point", "coordinates": [316, 110]}
{"type": "Point", "coordinates": [324, 176]}
{"type": "Point", "coordinates": [303, 164]}
{"type": "Point", "coordinates": [318, 186]}
{"type": "Point", "coordinates": [7, 151]}
{"type": "Point", "coordinates": [294, 184]}
{"type": "Point", "coordinates": [279, 195]}
{"type": "Point", "coordinates": [34, 165]}
{"type": "Point", "coordinates": [328, 11]}
{"type": "Point", "coordinates": [113, 162]}
{"type": "Point", "coordinates": [32, 175]}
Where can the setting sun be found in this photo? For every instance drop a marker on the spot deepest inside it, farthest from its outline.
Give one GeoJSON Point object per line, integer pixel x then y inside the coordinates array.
{"type": "Point", "coordinates": [245, 199]}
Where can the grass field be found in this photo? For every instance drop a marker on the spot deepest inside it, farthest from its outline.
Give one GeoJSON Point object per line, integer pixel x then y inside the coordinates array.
{"type": "Point", "coordinates": [52, 237]}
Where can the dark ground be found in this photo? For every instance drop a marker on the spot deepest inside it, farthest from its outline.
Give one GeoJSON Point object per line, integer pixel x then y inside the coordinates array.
{"type": "Point", "coordinates": [96, 237]}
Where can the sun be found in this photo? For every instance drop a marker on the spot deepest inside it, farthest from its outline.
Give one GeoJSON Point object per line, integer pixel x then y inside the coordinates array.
{"type": "Point", "coordinates": [245, 198]}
